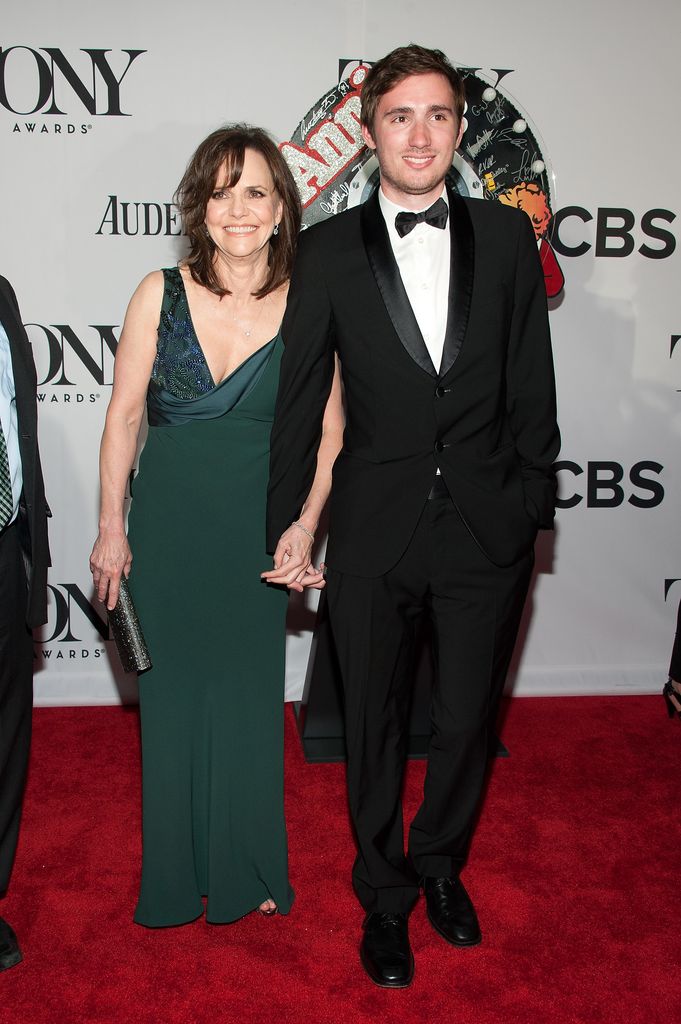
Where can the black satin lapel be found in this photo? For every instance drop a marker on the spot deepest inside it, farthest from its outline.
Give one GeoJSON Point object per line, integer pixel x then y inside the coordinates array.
{"type": "Point", "coordinates": [389, 281]}
{"type": "Point", "coordinates": [461, 270]}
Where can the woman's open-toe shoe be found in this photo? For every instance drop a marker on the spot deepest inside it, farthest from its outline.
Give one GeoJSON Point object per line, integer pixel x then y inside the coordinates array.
{"type": "Point", "coordinates": [267, 911]}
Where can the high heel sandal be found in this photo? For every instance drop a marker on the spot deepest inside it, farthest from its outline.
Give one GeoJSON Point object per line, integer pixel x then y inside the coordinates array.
{"type": "Point", "coordinates": [267, 913]}
{"type": "Point", "coordinates": [669, 692]}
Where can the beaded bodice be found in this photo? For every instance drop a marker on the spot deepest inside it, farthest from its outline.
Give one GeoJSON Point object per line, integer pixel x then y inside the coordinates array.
{"type": "Point", "coordinates": [180, 366]}
{"type": "Point", "coordinates": [181, 388]}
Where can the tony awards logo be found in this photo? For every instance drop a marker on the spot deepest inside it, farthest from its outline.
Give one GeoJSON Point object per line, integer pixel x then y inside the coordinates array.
{"type": "Point", "coordinates": [52, 84]}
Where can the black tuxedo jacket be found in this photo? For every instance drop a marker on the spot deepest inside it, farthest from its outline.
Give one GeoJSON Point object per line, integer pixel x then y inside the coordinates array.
{"type": "Point", "coordinates": [486, 418]}
{"type": "Point", "coordinates": [33, 510]}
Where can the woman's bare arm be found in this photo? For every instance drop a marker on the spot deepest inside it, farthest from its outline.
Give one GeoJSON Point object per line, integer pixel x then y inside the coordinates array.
{"type": "Point", "coordinates": [292, 564]}
{"type": "Point", "coordinates": [111, 555]}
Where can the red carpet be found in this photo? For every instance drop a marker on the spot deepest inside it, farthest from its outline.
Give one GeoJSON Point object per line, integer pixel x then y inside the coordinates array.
{"type": "Point", "coordinates": [575, 871]}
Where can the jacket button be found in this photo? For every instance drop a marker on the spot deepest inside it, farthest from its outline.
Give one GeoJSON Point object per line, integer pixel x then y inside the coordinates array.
{"type": "Point", "coordinates": [440, 392]}
{"type": "Point", "coordinates": [441, 445]}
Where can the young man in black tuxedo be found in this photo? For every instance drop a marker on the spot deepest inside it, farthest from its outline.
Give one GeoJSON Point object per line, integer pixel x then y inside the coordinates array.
{"type": "Point", "coordinates": [24, 558]}
{"type": "Point", "coordinates": [436, 308]}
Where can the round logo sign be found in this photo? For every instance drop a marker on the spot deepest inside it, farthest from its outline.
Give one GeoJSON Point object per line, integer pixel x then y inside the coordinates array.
{"type": "Point", "coordinates": [500, 157]}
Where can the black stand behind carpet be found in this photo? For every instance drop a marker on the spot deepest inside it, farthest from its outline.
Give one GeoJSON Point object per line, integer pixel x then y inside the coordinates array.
{"type": "Point", "coordinates": [320, 712]}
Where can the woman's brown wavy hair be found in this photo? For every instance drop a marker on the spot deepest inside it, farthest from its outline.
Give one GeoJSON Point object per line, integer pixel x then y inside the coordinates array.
{"type": "Point", "coordinates": [226, 148]}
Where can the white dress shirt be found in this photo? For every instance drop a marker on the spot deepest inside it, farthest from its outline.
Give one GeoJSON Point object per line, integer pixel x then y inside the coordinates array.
{"type": "Point", "coordinates": [423, 258]}
{"type": "Point", "coordinates": [8, 418]}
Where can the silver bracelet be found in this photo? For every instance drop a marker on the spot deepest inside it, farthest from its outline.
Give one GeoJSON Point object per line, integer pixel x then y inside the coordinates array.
{"type": "Point", "coordinates": [303, 528]}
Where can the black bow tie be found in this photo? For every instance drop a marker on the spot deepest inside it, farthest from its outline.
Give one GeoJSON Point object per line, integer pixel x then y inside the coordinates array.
{"type": "Point", "coordinates": [435, 215]}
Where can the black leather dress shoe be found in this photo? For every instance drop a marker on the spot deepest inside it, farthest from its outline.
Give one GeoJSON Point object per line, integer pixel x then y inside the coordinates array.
{"type": "Point", "coordinates": [385, 951]}
{"type": "Point", "coordinates": [10, 954]}
{"type": "Point", "coordinates": [451, 912]}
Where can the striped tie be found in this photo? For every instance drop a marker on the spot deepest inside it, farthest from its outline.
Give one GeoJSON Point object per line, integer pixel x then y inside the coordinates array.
{"type": "Point", "coordinates": [6, 499]}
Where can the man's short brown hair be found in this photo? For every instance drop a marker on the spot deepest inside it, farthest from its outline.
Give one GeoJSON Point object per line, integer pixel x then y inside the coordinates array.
{"type": "Point", "coordinates": [402, 63]}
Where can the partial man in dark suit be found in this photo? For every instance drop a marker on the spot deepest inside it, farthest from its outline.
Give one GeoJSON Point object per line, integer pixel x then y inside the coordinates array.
{"type": "Point", "coordinates": [436, 308]}
{"type": "Point", "coordinates": [24, 558]}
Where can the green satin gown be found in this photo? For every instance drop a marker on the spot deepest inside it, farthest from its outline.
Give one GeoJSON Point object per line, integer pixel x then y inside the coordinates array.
{"type": "Point", "coordinates": [212, 704]}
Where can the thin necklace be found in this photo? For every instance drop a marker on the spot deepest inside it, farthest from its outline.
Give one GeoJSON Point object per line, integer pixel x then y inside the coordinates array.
{"type": "Point", "coordinates": [248, 328]}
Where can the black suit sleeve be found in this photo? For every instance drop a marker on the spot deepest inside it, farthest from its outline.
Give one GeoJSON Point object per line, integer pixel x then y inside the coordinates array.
{"type": "Point", "coordinates": [304, 385]}
{"type": "Point", "coordinates": [675, 664]}
{"type": "Point", "coordinates": [33, 511]}
{"type": "Point", "coordinates": [6, 287]}
{"type": "Point", "coordinates": [531, 390]}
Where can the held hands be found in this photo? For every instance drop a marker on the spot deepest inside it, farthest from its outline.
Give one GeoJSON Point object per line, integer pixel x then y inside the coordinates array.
{"type": "Point", "coordinates": [111, 557]}
{"type": "Point", "coordinates": [293, 567]}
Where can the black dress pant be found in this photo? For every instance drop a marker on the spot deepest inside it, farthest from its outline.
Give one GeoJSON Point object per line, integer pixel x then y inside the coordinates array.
{"type": "Point", "coordinates": [475, 610]}
{"type": "Point", "coordinates": [16, 696]}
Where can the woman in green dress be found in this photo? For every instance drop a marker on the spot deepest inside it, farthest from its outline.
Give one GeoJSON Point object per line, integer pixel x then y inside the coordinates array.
{"type": "Point", "coordinates": [201, 347]}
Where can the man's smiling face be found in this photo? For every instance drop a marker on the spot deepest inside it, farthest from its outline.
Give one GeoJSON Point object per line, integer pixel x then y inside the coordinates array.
{"type": "Point", "coordinates": [415, 134]}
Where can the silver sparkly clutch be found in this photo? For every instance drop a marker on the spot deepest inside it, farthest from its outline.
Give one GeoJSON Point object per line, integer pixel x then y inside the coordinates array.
{"type": "Point", "coordinates": [127, 632]}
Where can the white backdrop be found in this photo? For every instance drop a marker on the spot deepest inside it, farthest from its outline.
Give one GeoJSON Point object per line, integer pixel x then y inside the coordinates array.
{"type": "Point", "coordinates": [599, 84]}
